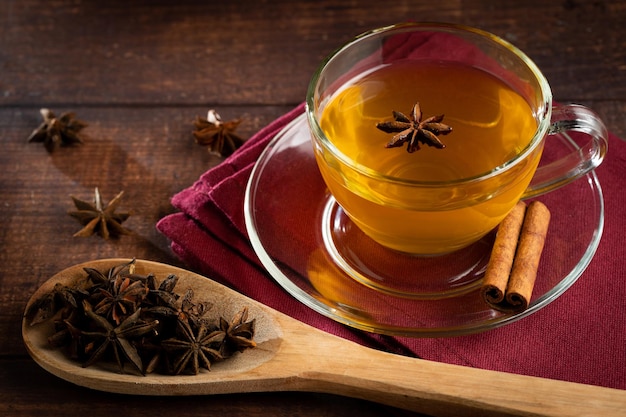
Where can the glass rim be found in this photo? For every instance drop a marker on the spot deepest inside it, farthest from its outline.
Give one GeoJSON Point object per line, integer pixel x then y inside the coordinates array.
{"type": "Point", "coordinates": [543, 118]}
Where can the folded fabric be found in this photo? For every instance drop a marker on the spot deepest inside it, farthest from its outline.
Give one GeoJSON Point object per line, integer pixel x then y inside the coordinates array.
{"type": "Point", "coordinates": [579, 337]}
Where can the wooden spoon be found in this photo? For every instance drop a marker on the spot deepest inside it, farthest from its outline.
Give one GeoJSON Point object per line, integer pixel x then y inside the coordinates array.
{"type": "Point", "coordinates": [292, 356]}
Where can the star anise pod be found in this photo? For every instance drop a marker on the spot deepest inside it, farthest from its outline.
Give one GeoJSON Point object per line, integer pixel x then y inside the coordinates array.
{"type": "Point", "coordinates": [161, 294]}
{"type": "Point", "coordinates": [100, 218]}
{"type": "Point", "coordinates": [61, 297]}
{"type": "Point", "coordinates": [182, 308]}
{"type": "Point", "coordinates": [155, 357]}
{"type": "Point", "coordinates": [121, 299]}
{"type": "Point", "coordinates": [57, 131]}
{"type": "Point", "coordinates": [118, 339]}
{"type": "Point", "coordinates": [413, 130]}
{"type": "Point", "coordinates": [138, 320]}
{"type": "Point", "coordinates": [238, 333]}
{"type": "Point", "coordinates": [219, 136]}
{"type": "Point", "coordinates": [68, 335]}
{"type": "Point", "coordinates": [194, 349]}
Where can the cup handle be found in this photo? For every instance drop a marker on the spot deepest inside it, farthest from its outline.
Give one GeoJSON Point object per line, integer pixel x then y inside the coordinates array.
{"type": "Point", "coordinates": [571, 118]}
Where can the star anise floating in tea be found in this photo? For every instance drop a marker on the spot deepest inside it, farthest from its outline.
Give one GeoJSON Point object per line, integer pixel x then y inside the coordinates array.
{"type": "Point", "coordinates": [57, 131]}
{"type": "Point", "coordinates": [413, 131]}
{"type": "Point", "coordinates": [101, 320]}
{"type": "Point", "coordinates": [218, 136]}
{"type": "Point", "coordinates": [100, 218]}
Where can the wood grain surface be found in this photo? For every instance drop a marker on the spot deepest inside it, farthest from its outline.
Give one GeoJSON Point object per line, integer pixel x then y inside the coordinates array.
{"type": "Point", "coordinates": [139, 72]}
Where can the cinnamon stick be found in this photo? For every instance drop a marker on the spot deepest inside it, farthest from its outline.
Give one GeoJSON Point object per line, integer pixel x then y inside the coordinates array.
{"type": "Point", "coordinates": [529, 250]}
{"type": "Point", "coordinates": [512, 269]}
{"type": "Point", "coordinates": [501, 261]}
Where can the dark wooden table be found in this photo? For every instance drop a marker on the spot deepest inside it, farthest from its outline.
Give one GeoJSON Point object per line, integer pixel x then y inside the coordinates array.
{"type": "Point", "coordinates": [139, 72]}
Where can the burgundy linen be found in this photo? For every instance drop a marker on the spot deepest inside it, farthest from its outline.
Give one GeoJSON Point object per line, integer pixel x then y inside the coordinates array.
{"type": "Point", "coordinates": [579, 337]}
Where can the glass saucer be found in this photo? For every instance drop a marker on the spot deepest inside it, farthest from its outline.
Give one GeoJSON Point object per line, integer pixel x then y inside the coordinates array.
{"type": "Point", "coordinates": [316, 254]}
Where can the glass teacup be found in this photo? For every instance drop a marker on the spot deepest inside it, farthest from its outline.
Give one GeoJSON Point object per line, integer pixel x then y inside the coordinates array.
{"type": "Point", "coordinates": [434, 201]}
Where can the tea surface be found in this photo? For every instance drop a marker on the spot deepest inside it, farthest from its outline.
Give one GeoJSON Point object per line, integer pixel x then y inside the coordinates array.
{"type": "Point", "coordinates": [491, 122]}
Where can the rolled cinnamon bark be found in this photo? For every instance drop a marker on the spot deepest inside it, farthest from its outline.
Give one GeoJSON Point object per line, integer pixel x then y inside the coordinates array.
{"type": "Point", "coordinates": [512, 269]}
{"type": "Point", "coordinates": [524, 272]}
{"type": "Point", "coordinates": [500, 263]}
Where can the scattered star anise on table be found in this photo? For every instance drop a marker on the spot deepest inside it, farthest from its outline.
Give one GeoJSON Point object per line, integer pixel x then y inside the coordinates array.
{"type": "Point", "coordinates": [118, 315]}
{"type": "Point", "coordinates": [100, 218]}
{"type": "Point", "coordinates": [218, 136]}
{"type": "Point", "coordinates": [57, 131]}
{"type": "Point", "coordinates": [413, 130]}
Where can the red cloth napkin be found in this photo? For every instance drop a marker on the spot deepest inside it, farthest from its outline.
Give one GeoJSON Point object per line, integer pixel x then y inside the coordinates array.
{"type": "Point", "coordinates": [580, 337]}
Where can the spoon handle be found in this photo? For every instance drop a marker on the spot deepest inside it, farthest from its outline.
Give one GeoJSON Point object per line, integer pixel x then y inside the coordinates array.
{"type": "Point", "coordinates": [325, 363]}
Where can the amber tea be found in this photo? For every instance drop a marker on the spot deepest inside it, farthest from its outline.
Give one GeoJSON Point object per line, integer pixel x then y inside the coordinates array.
{"type": "Point", "coordinates": [491, 122]}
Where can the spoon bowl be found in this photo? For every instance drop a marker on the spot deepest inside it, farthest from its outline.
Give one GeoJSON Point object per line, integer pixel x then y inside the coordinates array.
{"type": "Point", "coordinates": [292, 356]}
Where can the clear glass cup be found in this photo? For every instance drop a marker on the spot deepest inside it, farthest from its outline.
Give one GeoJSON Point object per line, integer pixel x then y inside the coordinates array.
{"type": "Point", "coordinates": [429, 216]}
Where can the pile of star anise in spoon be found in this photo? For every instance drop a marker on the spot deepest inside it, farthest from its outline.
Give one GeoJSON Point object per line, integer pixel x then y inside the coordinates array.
{"type": "Point", "coordinates": [121, 316]}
